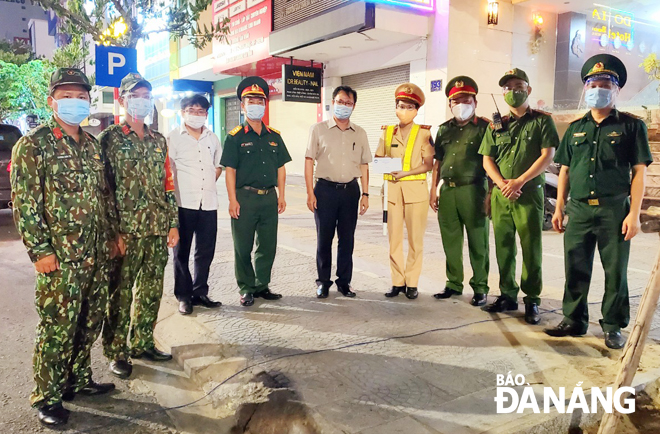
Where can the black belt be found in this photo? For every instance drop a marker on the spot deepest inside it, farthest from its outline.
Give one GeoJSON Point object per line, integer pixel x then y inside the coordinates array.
{"type": "Point", "coordinates": [337, 185]}
{"type": "Point", "coordinates": [461, 182]}
{"type": "Point", "coordinates": [259, 191]}
{"type": "Point", "coordinates": [600, 201]}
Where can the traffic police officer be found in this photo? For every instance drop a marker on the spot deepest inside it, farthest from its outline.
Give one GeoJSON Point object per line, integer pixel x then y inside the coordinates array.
{"type": "Point", "coordinates": [408, 193]}
{"type": "Point", "coordinates": [516, 154]}
{"type": "Point", "coordinates": [464, 199]}
{"type": "Point", "coordinates": [597, 154]}
{"type": "Point", "coordinates": [64, 212]}
{"type": "Point", "coordinates": [254, 156]}
{"type": "Point", "coordinates": [140, 176]}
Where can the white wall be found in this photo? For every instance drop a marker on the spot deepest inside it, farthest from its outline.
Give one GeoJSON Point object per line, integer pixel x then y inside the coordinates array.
{"type": "Point", "coordinates": [43, 44]}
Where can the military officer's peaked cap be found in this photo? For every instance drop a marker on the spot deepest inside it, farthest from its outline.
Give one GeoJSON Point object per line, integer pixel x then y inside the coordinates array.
{"type": "Point", "coordinates": [461, 85]}
{"type": "Point", "coordinates": [63, 76]}
{"type": "Point", "coordinates": [410, 92]}
{"type": "Point", "coordinates": [514, 73]}
{"type": "Point", "coordinates": [131, 81]}
{"type": "Point", "coordinates": [252, 86]}
{"type": "Point", "coordinates": [605, 64]}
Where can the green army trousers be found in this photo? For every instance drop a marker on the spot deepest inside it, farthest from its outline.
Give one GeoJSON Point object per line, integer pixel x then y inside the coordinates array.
{"type": "Point", "coordinates": [71, 305]}
{"type": "Point", "coordinates": [258, 216]}
{"type": "Point", "coordinates": [143, 267]}
{"type": "Point", "coordinates": [524, 216]}
{"type": "Point", "coordinates": [462, 209]}
{"type": "Point", "coordinates": [587, 227]}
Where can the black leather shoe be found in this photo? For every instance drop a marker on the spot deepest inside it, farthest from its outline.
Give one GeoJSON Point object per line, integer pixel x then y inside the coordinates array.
{"type": "Point", "coordinates": [204, 300]}
{"type": "Point", "coordinates": [345, 290]}
{"type": "Point", "coordinates": [92, 388]}
{"type": "Point", "coordinates": [121, 368]}
{"type": "Point", "coordinates": [614, 340]}
{"type": "Point", "coordinates": [532, 315]}
{"type": "Point", "coordinates": [267, 295]}
{"type": "Point", "coordinates": [446, 293]}
{"type": "Point", "coordinates": [395, 291]}
{"type": "Point", "coordinates": [565, 329]}
{"type": "Point", "coordinates": [411, 292]}
{"type": "Point", "coordinates": [501, 304]}
{"type": "Point", "coordinates": [153, 354]}
{"type": "Point", "coordinates": [247, 300]}
{"type": "Point", "coordinates": [54, 414]}
{"type": "Point", "coordinates": [478, 300]}
{"type": "Point", "coordinates": [322, 291]}
{"type": "Point", "coordinates": [185, 307]}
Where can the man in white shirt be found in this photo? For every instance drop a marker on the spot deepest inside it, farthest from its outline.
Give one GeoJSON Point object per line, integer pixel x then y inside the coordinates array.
{"type": "Point", "coordinates": [195, 152]}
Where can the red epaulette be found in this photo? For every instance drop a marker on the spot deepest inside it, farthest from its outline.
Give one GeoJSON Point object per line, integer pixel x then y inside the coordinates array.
{"type": "Point", "coordinates": [425, 127]}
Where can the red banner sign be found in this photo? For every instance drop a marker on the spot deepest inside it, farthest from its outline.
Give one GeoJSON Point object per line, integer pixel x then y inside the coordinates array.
{"type": "Point", "coordinates": [251, 22]}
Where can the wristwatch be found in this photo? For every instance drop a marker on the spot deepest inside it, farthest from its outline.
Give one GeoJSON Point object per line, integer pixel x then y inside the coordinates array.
{"type": "Point", "coordinates": [365, 194]}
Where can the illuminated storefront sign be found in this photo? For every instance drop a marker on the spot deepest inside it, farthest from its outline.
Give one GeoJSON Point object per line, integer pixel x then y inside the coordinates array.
{"type": "Point", "coordinates": [427, 5]}
{"type": "Point", "coordinates": [612, 26]}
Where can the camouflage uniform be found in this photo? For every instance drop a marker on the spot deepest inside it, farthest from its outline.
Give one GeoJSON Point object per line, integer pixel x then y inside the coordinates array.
{"type": "Point", "coordinates": [63, 206]}
{"type": "Point", "coordinates": [146, 209]}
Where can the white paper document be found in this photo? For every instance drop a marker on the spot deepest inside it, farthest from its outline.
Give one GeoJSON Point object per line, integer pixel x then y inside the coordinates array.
{"type": "Point", "coordinates": [386, 165]}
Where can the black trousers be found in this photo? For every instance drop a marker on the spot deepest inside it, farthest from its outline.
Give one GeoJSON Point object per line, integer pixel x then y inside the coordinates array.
{"type": "Point", "coordinates": [203, 226]}
{"type": "Point", "coordinates": [336, 210]}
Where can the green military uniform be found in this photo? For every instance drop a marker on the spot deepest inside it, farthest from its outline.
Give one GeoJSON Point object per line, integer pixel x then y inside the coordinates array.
{"type": "Point", "coordinates": [515, 149]}
{"type": "Point", "coordinates": [139, 175]}
{"type": "Point", "coordinates": [600, 158]}
{"type": "Point", "coordinates": [63, 207]}
{"type": "Point", "coordinates": [462, 194]}
{"type": "Point", "coordinates": [256, 159]}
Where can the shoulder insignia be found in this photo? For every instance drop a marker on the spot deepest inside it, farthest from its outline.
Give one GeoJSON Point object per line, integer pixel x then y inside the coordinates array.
{"type": "Point", "coordinates": [41, 130]}
{"type": "Point", "coordinates": [483, 119]}
{"type": "Point", "coordinates": [384, 127]}
{"type": "Point", "coordinates": [542, 112]}
{"type": "Point", "coordinates": [578, 119]}
{"type": "Point", "coordinates": [126, 130]}
{"type": "Point", "coordinates": [235, 130]}
{"type": "Point", "coordinates": [425, 127]}
{"type": "Point", "coordinates": [273, 130]}
{"type": "Point", "coordinates": [631, 115]}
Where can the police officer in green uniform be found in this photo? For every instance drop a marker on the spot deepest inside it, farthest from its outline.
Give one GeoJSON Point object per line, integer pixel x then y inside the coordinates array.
{"type": "Point", "coordinates": [597, 154]}
{"type": "Point", "coordinates": [64, 212]}
{"type": "Point", "coordinates": [464, 197]}
{"type": "Point", "coordinates": [139, 173]}
{"type": "Point", "coordinates": [254, 155]}
{"type": "Point", "coordinates": [516, 154]}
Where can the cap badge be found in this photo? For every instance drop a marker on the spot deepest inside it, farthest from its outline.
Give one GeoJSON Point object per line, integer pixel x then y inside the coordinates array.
{"type": "Point", "coordinates": [511, 72]}
{"type": "Point", "coordinates": [70, 72]}
{"type": "Point", "coordinates": [598, 67]}
{"type": "Point", "coordinates": [459, 84]}
{"type": "Point", "coordinates": [255, 87]}
{"type": "Point", "coordinates": [408, 90]}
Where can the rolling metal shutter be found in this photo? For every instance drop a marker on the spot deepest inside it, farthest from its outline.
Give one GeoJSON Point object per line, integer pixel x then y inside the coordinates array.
{"type": "Point", "coordinates": [375, 104]}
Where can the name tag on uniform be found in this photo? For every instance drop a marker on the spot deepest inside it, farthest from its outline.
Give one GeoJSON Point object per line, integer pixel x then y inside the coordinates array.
{"type": "Point", "coordinates": [64, 157]}
{"type": "Point", "coordinates": [614, 134]}
{"type": "Point", "coordinates": [273, 143]}
{"type": "Point", "coordinates": [583, 134]}
{"type": "Point", "coordinates": [244, 145]}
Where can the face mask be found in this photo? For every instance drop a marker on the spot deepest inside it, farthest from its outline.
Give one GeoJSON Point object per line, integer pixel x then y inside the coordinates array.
{"type": "Point", "coordinates": [406, 116]}
{"type": "Point", "coordinates": [139, 108]}
{"type": "Point", "coordinates": [342, 112]}
{"type": "Point", "coordinates": [516, 98]}
{"type": "Point", "coordinates": [255, 112]}
{"type": "Point", "coordinates": [598, 98]}
{"type": "Point", "coordinates": [72, 111]}
{"type": "Point", "coordinates": [463, 112]}
{"type": "Point", "coordinates": [194, 122]}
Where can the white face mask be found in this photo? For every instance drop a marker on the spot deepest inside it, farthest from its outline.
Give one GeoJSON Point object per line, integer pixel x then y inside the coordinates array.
{"type": "Point", "coordinates": [463, 112]}
{"type": "Point", "coordinates": [194, 122]}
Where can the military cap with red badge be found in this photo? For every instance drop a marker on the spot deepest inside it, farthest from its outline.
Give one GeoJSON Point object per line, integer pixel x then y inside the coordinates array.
{"type": "Point", "coordinates": [252, 86]}
{"type": "Point", "coordinates": [410, 92]}
{"type": "Point", "coordinates": [605, 66]}
{"type": "Point", "coordinates": [461, 85]}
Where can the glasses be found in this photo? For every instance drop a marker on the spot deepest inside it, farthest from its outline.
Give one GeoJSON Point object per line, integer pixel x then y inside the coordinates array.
{"type": "Point", "coordinates": [136, 96]}
{"type": "Point", "coordinates": [409, 107]}
{"type": "Point", "coordinates": [193, 112]}
{"type": "Point", "coordinates": [344, 103]}
{"type": "Point", "coordinates": [519, 86]}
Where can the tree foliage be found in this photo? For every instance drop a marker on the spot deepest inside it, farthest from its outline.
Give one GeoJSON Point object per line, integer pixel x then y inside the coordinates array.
{"type": "Point", "coordinates": [125, 22]}
{"type": "Point", "coordinates": [15, 52]}
{"type": "Point", "coordinates": [24, 89]}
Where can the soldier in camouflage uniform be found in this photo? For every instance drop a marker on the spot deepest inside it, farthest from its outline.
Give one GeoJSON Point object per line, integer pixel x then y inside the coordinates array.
{"type": "Point", "coordinates": [138, 170]}
{"type": "Point", "coordinates": [64, 212]}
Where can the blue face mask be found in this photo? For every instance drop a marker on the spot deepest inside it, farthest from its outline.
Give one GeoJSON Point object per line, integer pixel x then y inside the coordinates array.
{"type": "Point", "coordinates": [598, 97]}
{"type": "Point", "coordinates": [139, 108]}
{"type": "Point", "coordinates": [255, 112]}
{"type": "Point", "coordinates": [342, 112]}
{"type": "Point", "coordinates": [72, 111]}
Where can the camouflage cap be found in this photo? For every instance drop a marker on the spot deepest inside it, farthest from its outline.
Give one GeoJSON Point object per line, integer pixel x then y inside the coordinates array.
{"type": "Point", "coordinates": [63, 76]}
{"type": "Point", "coordinates": [514, 73]}
{"type": "Point", "coordinates": [131, 81]}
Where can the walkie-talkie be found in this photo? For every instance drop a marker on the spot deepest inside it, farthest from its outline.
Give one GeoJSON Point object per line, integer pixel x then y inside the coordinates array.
{"type": "Point", "coordinates": [497, 117]}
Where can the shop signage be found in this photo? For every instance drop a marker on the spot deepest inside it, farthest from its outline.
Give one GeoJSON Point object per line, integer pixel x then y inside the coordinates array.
{"type": "Point", "coordinates": [287, 12]}
{"type": "Point", "coordinates": [250, 23]}
{"type": "Point", "coordinates": [301, 84]}
{"type": "Point", "coordinates": [612, 26]}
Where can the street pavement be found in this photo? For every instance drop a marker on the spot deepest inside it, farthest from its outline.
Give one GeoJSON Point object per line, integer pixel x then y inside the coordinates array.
{"type": "Point", "coordinates": [364, 365]}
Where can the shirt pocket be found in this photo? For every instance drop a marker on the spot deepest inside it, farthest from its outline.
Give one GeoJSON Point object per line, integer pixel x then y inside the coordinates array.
{"type": "Point", "coordinates": [614, 151]}
{"type": "Point", "coordinates": [68, 174]}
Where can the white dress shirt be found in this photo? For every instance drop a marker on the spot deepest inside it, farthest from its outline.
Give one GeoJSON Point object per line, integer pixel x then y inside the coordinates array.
{"type": "Point", "coordinates": [193, 164]}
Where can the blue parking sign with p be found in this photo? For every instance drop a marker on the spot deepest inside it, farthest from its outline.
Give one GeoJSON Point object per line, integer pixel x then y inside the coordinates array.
{"type": "Point", "coordinates": [113, 64]}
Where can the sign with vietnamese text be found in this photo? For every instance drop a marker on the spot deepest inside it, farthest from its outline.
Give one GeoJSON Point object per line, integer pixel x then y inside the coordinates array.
{"type": "Point", "coordinates": [250, 24]}
{"type": "Point", "coordinates": [302, 84]}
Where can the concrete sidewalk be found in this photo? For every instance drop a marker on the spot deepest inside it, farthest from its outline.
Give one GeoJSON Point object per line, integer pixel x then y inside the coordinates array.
{"type": "Point", "coordinates": [371, 364]}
